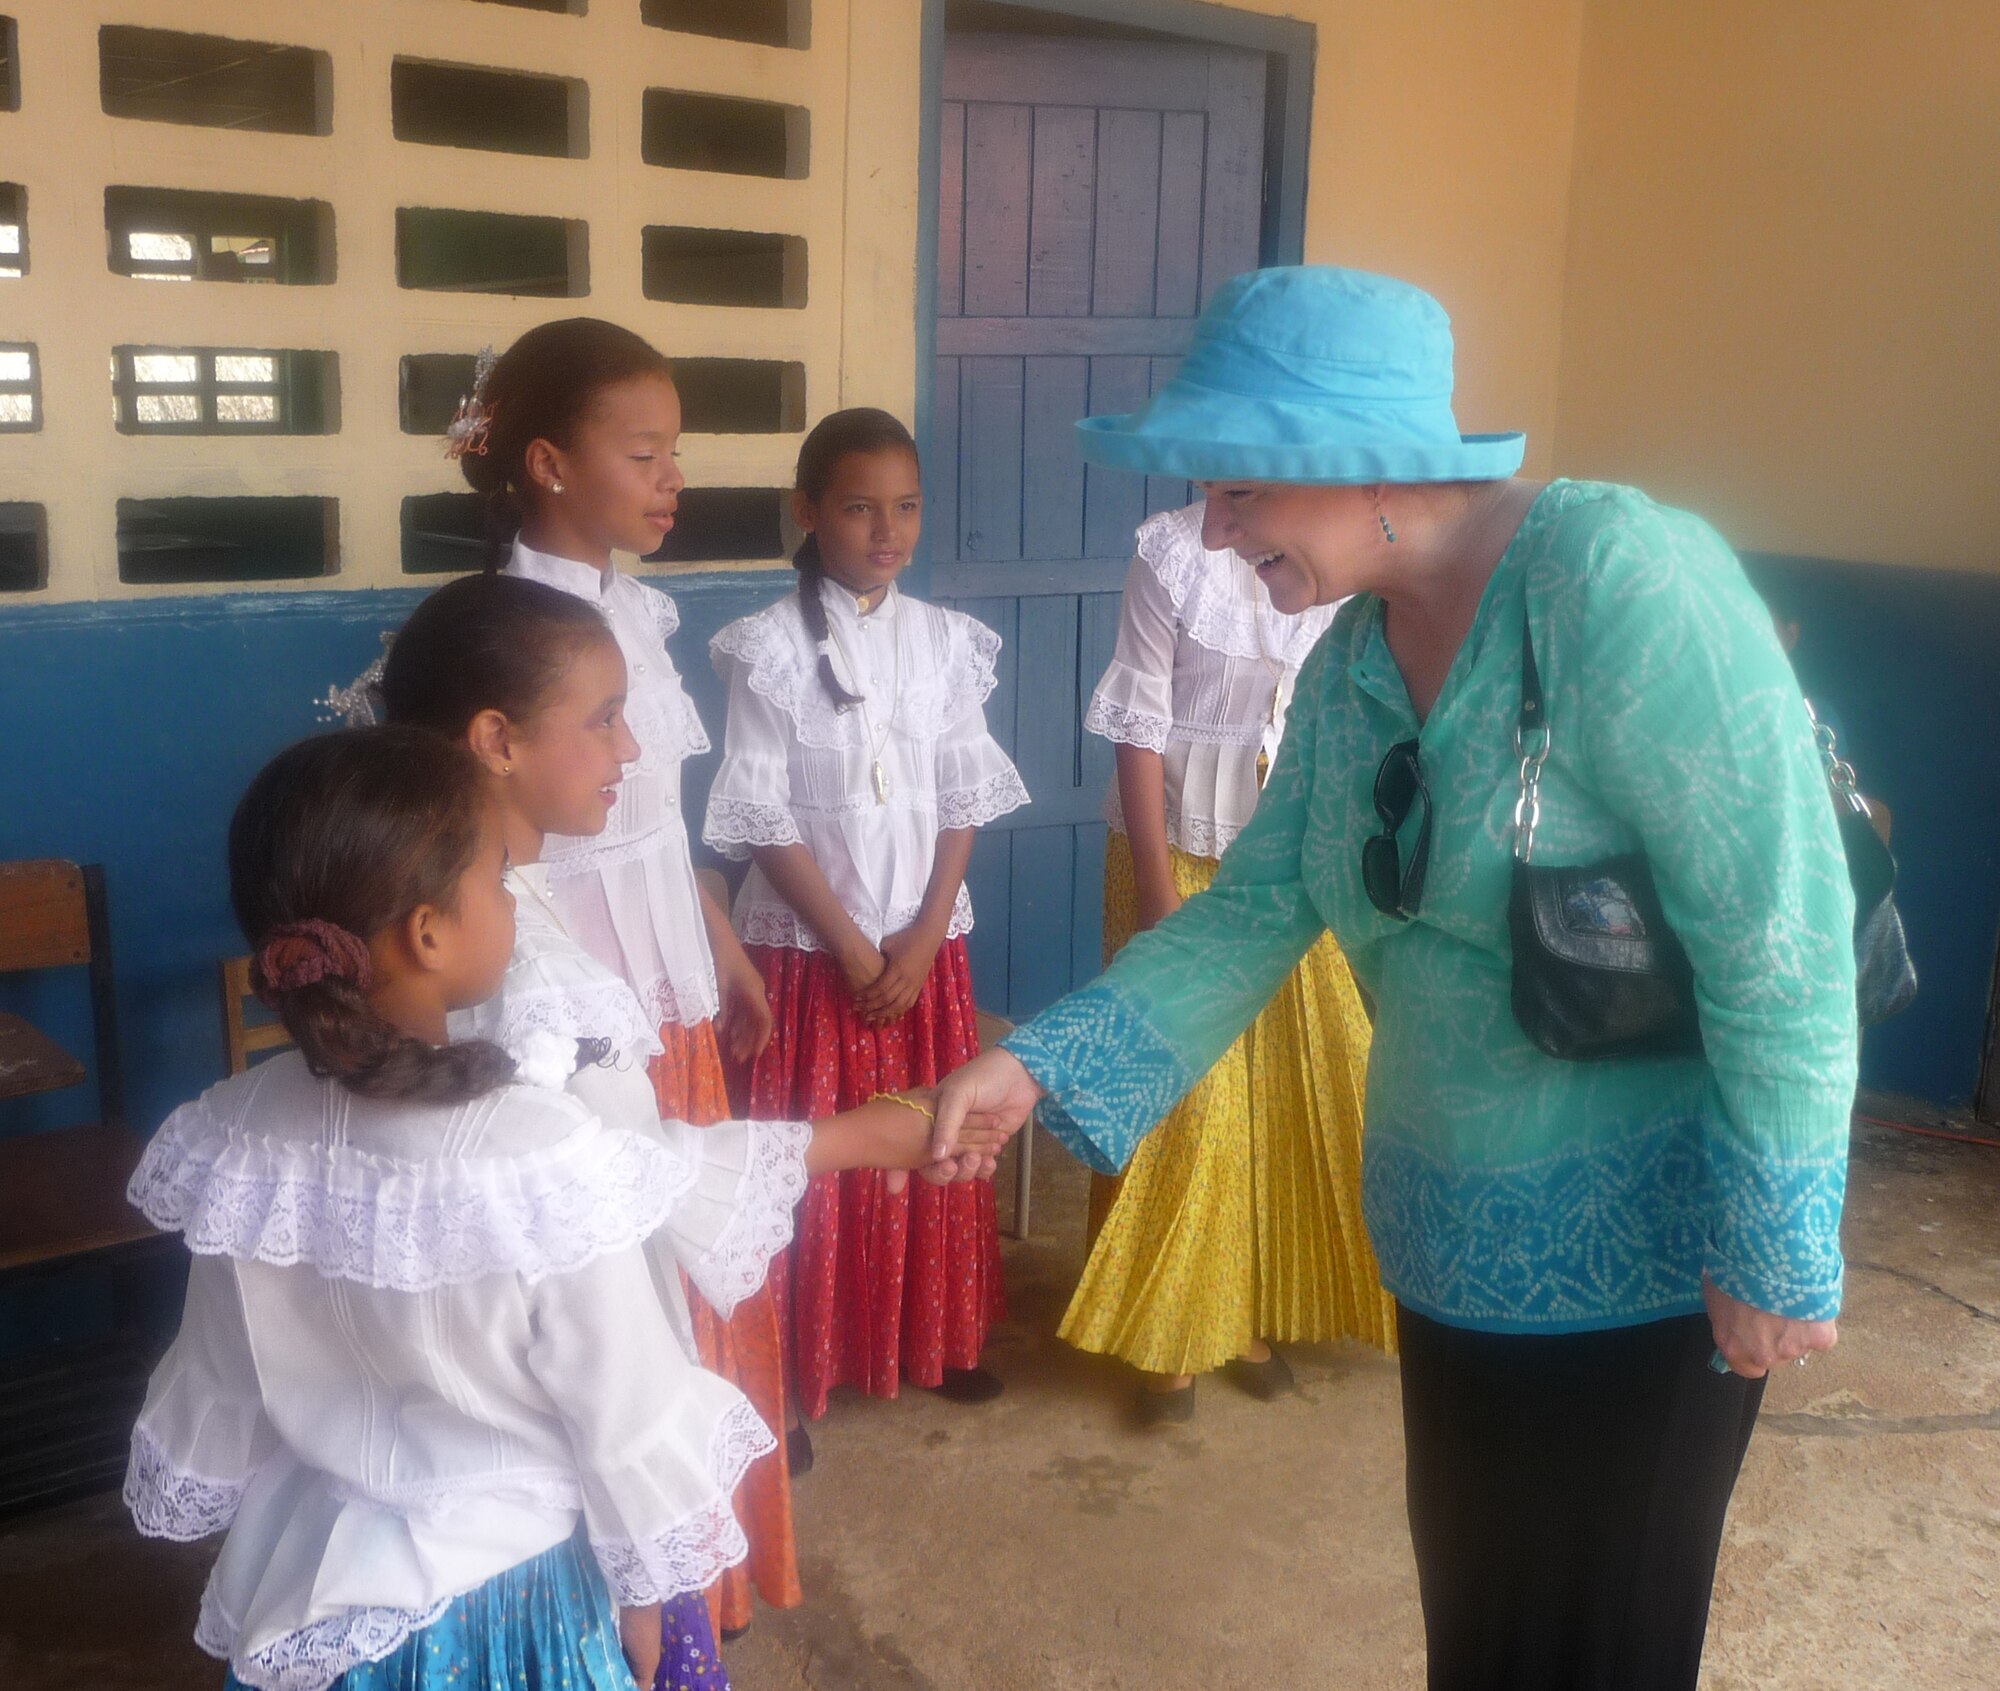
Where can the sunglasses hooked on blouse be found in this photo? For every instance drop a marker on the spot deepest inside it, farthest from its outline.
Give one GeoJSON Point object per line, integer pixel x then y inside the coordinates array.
{"type": "Point", "coordinates": [1394, 888]}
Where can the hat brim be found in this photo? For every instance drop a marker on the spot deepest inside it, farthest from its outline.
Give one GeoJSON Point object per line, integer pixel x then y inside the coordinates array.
{"type": "Point", "coordinates": [1127, 443]}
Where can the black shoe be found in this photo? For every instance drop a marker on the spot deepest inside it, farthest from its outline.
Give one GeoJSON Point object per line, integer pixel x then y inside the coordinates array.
{"type": "Point", "coordinates": [798, 1450]}
{"type": "Point", "coordinates": [1165, 1409]}
{"type": "Point", "coordinates": [969, 1385]}
{"type": "Point", "coordinates": [1271, 1378]}
{"type": "Point", "coordinates": [730, 1634]}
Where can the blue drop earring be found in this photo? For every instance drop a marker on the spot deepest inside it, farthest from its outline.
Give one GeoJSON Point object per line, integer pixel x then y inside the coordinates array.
{"type": "Point", "coordinates": [1388, 533]}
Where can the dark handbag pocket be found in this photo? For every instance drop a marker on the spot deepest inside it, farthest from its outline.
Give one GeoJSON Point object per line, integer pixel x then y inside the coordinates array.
{"type": "Point", "coordinates": [1885, 980]}
{"type": "Point", "coordinates": [1597, 972]}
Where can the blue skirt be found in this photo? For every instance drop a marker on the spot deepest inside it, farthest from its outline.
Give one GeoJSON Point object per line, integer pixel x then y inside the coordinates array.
{"type": "Point", "coordinates": [545, 1625]}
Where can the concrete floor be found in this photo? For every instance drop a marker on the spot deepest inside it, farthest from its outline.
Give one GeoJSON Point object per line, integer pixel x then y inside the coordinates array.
{"type": "Point", "coordinates": [1041, 1542]}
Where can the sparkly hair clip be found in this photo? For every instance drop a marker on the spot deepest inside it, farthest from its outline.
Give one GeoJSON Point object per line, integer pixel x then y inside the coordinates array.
{"type": "Point", "coordinates": [473, 421]}
{"type": "Point", "coordinates": [359, 704]}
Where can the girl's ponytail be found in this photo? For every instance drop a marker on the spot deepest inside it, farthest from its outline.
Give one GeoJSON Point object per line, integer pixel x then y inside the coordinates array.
{"type": "Point", "coordinates": [337, 839]}
{"type": "Point", "coordinates": [812, 606]}
{"type": "Point", "coordinates": [861, 428]}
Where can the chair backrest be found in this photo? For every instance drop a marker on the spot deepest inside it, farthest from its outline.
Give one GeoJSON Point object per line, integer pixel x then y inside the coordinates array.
{"type": "Point", "coordinates": [54, 915]}
{"type": "Point", "coordinates": [44, 916]}
{"type": "Point", "coordinates": [242, 1038]}
{"type": "Point", "coordinates": [992, 1028]}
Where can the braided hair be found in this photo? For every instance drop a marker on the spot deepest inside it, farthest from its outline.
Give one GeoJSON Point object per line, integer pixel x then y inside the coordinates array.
{"type": "Point", "coordinates": [336, 839]}
{"type": "Point", "coordinates": [862, 428]}
{"type": "Point", "coordinates": [541, 388]}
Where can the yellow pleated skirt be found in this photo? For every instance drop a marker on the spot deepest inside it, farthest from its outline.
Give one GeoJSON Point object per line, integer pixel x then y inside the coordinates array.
{"type": "Point", "coordinates": [1239, 1216]}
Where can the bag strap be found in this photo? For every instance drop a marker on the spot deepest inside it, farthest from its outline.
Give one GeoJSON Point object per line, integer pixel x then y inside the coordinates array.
{"type": "Point", "coordinates": [1840, 774]}
{"type": "Point", "coordinates": [1531, 746]}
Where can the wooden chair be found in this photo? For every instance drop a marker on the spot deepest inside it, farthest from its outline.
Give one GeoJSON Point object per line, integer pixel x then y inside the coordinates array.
{"type": "Point", "coordinates": [62, 1192]}
{"type": "Point", "coordinates": [65, 1410]}
{"type": "Point", "coordinates": [245, 1035]}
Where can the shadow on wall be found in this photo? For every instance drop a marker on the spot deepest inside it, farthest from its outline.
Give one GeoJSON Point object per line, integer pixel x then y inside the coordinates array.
{"type": "Point", "coordinates": [1904, 662]}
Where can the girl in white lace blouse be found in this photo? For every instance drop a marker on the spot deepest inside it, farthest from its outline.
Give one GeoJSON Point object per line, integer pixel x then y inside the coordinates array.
{"type": "Point", "coordinates": [856, 767]}
{"type": "Point", "coordinates": [426, 1375]}
{"type": "Point", "coordinates": [1238, 1221]}
{"type": "Point", "coordinates": [571, 439]}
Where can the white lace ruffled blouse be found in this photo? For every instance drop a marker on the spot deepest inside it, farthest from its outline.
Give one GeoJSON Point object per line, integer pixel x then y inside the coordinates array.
{"type": "Point", "coordinates": [629, 894]}
{"type": "Point", "coordinates": [420, 1342]}
{"type": "Point", "coordinates": [554, 995]}
{"type": "Point", "coordinates": [1202, 673]}
{"type": "Point", "coordinates": [797, 769]}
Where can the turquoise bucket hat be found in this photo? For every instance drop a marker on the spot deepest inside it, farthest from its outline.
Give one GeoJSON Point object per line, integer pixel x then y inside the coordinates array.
{"type": "Point", "coordinates": [1308, 373]}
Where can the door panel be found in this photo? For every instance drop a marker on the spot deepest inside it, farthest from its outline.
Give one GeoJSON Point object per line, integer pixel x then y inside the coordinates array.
{"type": "Point", "coordinates": [1092, 195]}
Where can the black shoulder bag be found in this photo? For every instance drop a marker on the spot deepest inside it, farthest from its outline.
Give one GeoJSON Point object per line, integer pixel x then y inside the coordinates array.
{"type": "Point", "coordinates": [1597, 971]}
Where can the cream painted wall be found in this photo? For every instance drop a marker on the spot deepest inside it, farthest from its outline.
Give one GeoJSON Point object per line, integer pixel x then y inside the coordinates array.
{"type": "Point", "coordinates": [65, 150]}
{"type": "Point", "coordinates": [1784, 271]}
{"type": "Point", "coordinates": [1441, 152]}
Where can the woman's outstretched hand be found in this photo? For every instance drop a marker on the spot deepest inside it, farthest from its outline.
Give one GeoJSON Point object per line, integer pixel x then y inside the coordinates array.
{"type": "Point", "coordinates": [1753, 1341]}
{"type": "Point", "coordinates": [994, 1089]}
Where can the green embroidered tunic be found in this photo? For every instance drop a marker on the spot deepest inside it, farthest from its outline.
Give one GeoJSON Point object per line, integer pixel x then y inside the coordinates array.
{"type": "Point", "coordinates": [1504, 1189]}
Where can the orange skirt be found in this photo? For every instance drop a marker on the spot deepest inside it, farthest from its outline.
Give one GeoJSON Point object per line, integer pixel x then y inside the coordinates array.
{"type": "Point", "coordinates": [745, 1350]}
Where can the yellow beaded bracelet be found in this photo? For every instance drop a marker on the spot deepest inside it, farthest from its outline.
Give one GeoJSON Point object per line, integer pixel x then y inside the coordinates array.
{"type": "Point", "coordinates": [907, 1103]}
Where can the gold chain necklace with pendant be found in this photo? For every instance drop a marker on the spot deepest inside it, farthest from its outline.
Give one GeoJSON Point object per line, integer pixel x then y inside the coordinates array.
{"type": "Point", "coordinates": [878, 778]}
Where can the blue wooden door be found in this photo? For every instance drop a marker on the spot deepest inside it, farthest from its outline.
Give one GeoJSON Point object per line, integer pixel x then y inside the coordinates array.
{"type": "Point", "coordinates": [1092, 195]}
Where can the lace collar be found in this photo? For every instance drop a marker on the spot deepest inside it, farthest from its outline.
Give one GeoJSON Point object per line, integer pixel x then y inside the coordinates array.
{"type": "Point", "coordinates": [554, 986]}
{"type": "Point", "coordinates": [948, 669]}
{"type": "Point", "coordinates": [284, 1186]}
{"type": "Point", "coordinates": [1221, 604]}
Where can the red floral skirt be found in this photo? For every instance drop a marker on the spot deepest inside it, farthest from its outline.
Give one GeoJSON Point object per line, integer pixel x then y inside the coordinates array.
{"type": "Point", "coordinates": [747, 1350]}
{"type": "Point", "coordinates": [875, 1287]}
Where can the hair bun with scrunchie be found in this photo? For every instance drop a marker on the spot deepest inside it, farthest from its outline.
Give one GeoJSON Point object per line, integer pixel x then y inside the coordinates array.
{"type": "Point", "coordinates": [302, 954]}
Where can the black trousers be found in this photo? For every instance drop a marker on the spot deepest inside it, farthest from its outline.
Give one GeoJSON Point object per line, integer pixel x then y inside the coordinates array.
{"type": "Point", "coordinates": [1567, 1495]}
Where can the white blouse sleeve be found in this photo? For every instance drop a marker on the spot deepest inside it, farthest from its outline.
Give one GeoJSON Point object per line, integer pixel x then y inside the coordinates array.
{"type": "Point", "coordinates": [726, 1227]}
{"type": "Point", "coordinates": [750, 803]}
{"type": "Point", "coordinates": [659, 1444]}
{"type": "Point", "coordinates": [976, 781]}
{"type": "Point", "coordinates": [1134, 702]}
{"type": "Point", "coordinates": [203, 1433]}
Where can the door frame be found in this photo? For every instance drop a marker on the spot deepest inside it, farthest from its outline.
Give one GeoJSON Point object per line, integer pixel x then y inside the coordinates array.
{"type": "Point", "coordinates": [1290, 46]}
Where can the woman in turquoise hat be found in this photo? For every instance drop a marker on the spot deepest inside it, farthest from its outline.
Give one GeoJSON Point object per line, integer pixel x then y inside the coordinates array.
{"type": "Point", "coordinates": [1595, 1263]}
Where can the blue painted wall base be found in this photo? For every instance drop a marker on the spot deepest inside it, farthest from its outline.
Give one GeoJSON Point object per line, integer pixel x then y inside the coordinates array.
{"type": "Point", "coordinates": [1906, 665]}
{"type": "Point", "coordinates": [127, 732]}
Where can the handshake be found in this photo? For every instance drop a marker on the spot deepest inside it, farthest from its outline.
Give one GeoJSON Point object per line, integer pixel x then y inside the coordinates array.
{"type": "Point", "coordinates": [975, 1111]}
{"type": "Point", "coordinates": [954, 1131]}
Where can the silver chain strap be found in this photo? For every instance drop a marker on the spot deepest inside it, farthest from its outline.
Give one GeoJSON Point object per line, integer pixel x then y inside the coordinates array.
{"type": "Point", "coordinates": [1532, 746]}
{"type": "Point", "coordinates": [1839, 772]}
